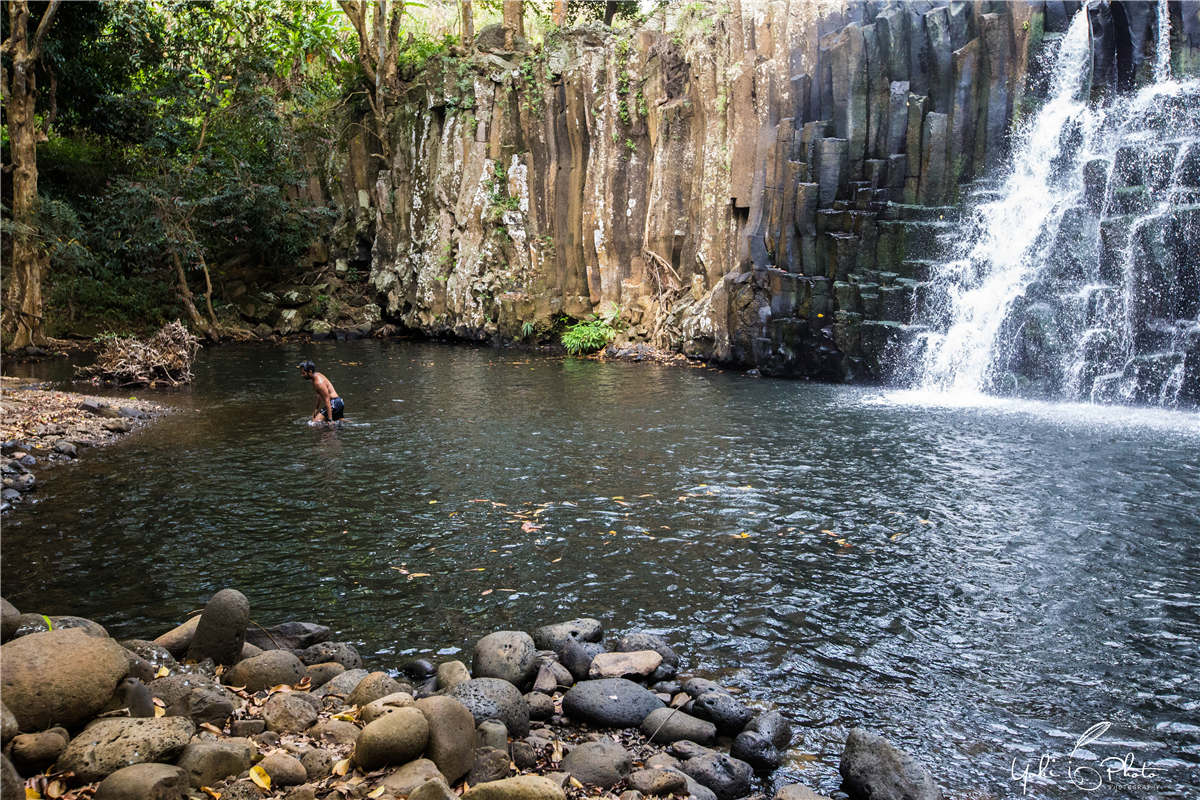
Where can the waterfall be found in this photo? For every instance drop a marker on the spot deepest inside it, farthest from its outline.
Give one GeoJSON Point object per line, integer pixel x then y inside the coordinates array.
{"type": "Point", "coordinates": [1077, 276]}
{"type": "Point", "coordinates": [1162, 46]}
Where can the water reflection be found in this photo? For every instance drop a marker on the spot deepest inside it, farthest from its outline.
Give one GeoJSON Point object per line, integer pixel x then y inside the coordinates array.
{"type": "Point", "coordinates": [976, 583]}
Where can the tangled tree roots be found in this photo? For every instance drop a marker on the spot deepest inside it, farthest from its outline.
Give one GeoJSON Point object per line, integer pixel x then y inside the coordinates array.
{"type": "Point", "coordinates": [166, 357]}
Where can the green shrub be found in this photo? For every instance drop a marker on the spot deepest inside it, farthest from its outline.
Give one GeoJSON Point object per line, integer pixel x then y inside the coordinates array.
{"type": "Point", "coordinates": [594, 333]}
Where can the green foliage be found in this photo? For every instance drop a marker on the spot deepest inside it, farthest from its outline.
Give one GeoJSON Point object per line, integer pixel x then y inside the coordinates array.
{"type": "Point", "coordinates": [593, 333]}
{"type": "Point", "coordinates": [527, 330]}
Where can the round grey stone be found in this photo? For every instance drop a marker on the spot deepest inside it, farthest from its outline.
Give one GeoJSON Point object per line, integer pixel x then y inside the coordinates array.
{"type": "Point", "coordinates": [272, 668]}
{"type": "Point", "coordinates": [144, 782]}
{"type": "Point", "coordinates": [775, 727]}
{"type": "Point", "coordinates": [490, 765]}
{"type": "Point", "coordinates": [540, 706]}
{"type": "Point", "coordinates": [552, 637]}
{"type": "Point", "coordinates": [722, 710]}
{"type": "Point", "coordinates": [612, 702]}
{"type": "Point", "coordinates": [451, 744]}
{"type": "Point", "coordinates": [698, 686]}
{"type": "Point", "coordinates": [492, 698]}
{"type": "Point", "coordinates": [756, 750]}
{"type": "Point", "coordinates": [284, 769]}
{"type": "Point", "coordinates": [507, 655]}
{"type": "Point", "coordinates": [666, 725]}
{"type": "Point", "coordinates": [343, 653]}
{"type": "Point", "coordinates": [207, 763]}
{"type": "Point", "coordinates": [728, 778]}
{"type": "Point", "coordinates": [602, 763]}
{"type": "Point", "coordinates": [375, 686]}
{"type": "Point", "coordinates": [288, 712]}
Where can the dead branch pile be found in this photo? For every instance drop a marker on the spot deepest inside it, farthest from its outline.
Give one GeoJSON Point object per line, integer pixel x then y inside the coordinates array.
{"type": "Point", "coordinates": [166, 357]}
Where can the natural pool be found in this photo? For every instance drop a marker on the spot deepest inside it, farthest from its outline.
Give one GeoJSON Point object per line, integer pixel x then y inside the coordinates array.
{"type": "Point", "coordinates": [980, 583]}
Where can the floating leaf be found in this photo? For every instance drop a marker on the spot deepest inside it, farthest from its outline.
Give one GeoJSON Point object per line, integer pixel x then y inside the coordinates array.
{"type": "Point", "coordinates": [260, 778]}
{"type": "Point", "coordinates": [341, 767]}
{"type": "Point", "coordinates": [742, 535]}
{"type": "Point", "coordinates": [400, 570]}
{"type": "Point", "coordinates": [433, 502]}
{"type": "Point", "coordinates": [485, 592]}
{"type": "Point", "coordinates": [419, 575]}
{"type": "Point", "coordinates": [555, 561]}
{"type": "Point", "coordinates": [924, 521]}
{"type": "Point", "coordinates": [162, 672]}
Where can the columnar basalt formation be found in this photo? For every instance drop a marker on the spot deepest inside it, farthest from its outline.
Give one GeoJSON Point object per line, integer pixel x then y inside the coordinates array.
{"type": "Point", "coordinates": [759, 185]}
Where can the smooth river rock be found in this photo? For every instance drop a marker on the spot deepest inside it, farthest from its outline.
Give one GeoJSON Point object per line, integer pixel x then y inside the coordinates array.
{"type": "Point", "coordinates": [612, 703]}
{"type": "Point", "coordinates": [107, 745]}
{"type": "Point", "coordinates": [601, 763]}
{"type": "Point", "coordinates": [385, 705]}
{"type": "Point", "coordinates": [638, 664]}
{"type": "Point", "coordinates": [343, 653]}
{"type": "Point", "coordinates": [177, 640]}
{"type": "Point", "coordinates": [492, 698]}
{"type": "Point", "coordinates": [451, 744]}
{"type": "Point", "coordinates": [522, 787]}
{"type": "Point", "coordinates": [144, 782]}
{"type": "Point", "coordinates": [272, 668]}
{"type": "Point", "coordinates": [8, 620]}
{"type": "Point", "coordinates": [666, 725]}
{"type": "Point", "coordinates": [873, 769]}
{"type": "Point", "coordinates": [723, 710]}
{"type": "Point", "coordinates": [756, 750]}
{"type": "Point", "coordinates": [375, 686]}
{"type": "Point", "coordinates": [59, 677]}
{"type": "Point", "coordinates": [221, 631]}
{"type": "Point", "coordinates": [394, 738]}
{"type": "Point", "coordinates": [633, 642]}
{"type": "Point", "coordinates": [289, 712]}
{"type": "Point", "coordinates": [207, 763]}
{"type": "Point", "coordinates": [507, 655]}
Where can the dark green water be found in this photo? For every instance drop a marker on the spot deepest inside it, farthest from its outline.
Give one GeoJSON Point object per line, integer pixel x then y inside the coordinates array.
{"type": "Point", "coordinates": [980, 584]}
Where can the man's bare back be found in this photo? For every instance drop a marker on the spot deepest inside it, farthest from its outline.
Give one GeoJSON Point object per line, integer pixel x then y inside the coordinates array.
{"type": "Point", "coordinates": [330, 407]}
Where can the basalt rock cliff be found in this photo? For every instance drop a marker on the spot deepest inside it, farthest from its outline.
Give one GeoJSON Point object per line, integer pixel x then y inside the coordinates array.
{"type": "Point", "coordinates": [762, 186]}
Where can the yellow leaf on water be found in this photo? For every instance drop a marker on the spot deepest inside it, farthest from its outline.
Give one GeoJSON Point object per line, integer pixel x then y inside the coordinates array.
{"type": "Point", "coordinates": [896, 536]}
{"type": "Point", "coordinates": [924, 521]}
{"type": "Point", "coordinates": [485, 592]}
{"type": "Point", "coordinates": [260, 778]}
{"type": "Point", "coordinates": [162, 672]}
{"type": "Point", "coordinates": [433, 502]}
{"type": "Point", "coordinates": [341, 767]}
{"type": "Point", "coordinates": [555, 561]}
{"type": "Point", "coordinates": [419, 575]}
{"type": "Point", "coordinates": [619, 497]}
{"type": "Point", "coordinates": [831, 533]}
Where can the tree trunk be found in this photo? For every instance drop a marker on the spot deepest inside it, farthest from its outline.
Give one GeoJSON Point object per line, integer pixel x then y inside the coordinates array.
{"type": "Point", "coordinates": [610, 8]}
{"type": "Point", "coordinates": [514, 23]}
{"type": "Point", "coordinates": [559, 15]}
{"type": "Point", "coordinates": [186, 295]}
{"type": "Point", "coordinates": [23, 305]}
{"type": "Point", "coordinates": [468, 25]}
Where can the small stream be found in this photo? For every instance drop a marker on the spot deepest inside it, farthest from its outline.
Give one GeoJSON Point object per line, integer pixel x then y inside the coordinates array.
{"type": "Point", "coordinates": [981, 583]}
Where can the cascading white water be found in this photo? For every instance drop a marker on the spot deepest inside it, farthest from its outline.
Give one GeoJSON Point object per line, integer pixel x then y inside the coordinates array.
{"type": "Point", "coordinates": [1077, 281]}
{"type": "Point", "coordinates": [1001, 256]}
{"type": "Point", "coordinates": [1162, 47]}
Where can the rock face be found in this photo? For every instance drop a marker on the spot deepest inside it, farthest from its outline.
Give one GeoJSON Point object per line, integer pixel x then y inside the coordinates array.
{"type": "Point", "coordinates": [872, 769]}
{"type": "Point", "coordinates": [761, 184]}
{"type": "Point", "coordinates": [108, 745]}
{"type": "Point", "coordinates": [61, 677]}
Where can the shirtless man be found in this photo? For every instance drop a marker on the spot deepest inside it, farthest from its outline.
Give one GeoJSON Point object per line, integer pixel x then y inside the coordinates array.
{"type": "Point", "coordinates": [329, 406]}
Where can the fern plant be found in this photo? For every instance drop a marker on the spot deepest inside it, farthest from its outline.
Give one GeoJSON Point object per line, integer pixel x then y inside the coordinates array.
{"type": "Point", "coordinates": [593, 333]}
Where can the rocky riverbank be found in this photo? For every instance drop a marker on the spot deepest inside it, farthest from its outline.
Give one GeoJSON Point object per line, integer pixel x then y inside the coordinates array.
{"type": "Point", "coordinates": [220, 708]}
{"type": "Point", "coordinates": [43, 426]}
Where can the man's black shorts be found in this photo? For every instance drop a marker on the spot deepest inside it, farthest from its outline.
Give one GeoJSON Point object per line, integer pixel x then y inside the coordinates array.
{"type": "Point", "coordinates": [339, 408]}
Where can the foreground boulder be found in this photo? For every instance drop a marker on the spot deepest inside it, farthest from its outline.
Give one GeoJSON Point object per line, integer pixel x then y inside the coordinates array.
{"type": "Point", "coordinates": [872, 769]}
{"type": "Point", "coordinates": [553, 637]}
{"type": "Point", "coordinates": [59, 677]}
{"type": "Point", "coordinates": [208, 763]}
{"type": "Point", "coordinates": [611, 703]}
{"type": "Point", "coordinates": [395, 738]}
{"type": "Point", "coordinates": [666, 725]}
{"type": "Point", "coordinates": [522, 787]}
{"type": "Point", "coordinates": [451, 744]}
{"type": "Point", "coordinates": [602, 763]}
{"type": "Point", "coordinates": [272, 668]}
{"type": "Point", "coordinates": [144, 782]}
{"type": "Point", "coordinates": [108, 745]}
{"type": "Point", "coordinates": [728, 778]}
